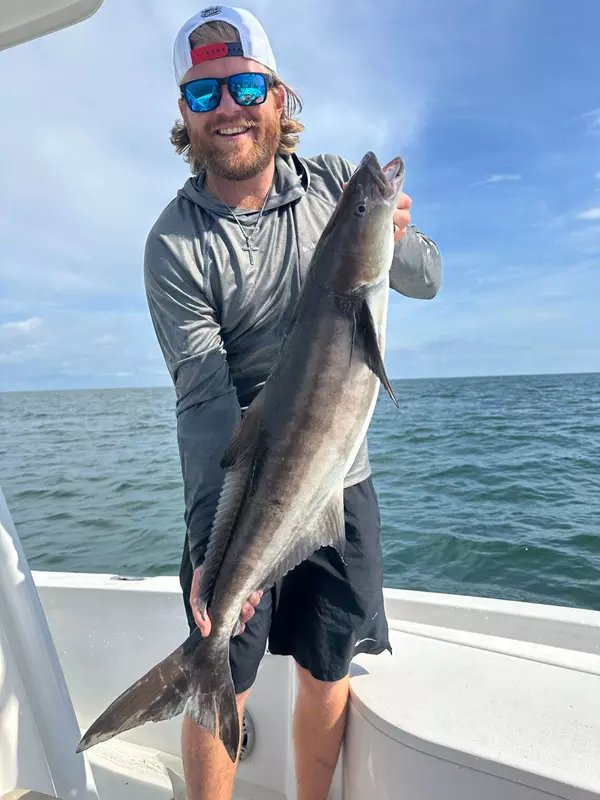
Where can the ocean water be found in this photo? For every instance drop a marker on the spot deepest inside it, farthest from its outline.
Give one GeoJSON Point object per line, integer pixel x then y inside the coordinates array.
{"type": "Point", "coordinates": [487, 486]}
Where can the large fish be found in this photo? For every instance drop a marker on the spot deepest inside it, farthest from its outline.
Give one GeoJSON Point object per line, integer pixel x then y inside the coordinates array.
{"type": "Point", "coordinates": [282, 495]}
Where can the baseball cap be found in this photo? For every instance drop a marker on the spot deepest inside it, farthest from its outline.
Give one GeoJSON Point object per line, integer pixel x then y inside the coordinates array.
{"type": "Point", "coordinates": [254, 43]}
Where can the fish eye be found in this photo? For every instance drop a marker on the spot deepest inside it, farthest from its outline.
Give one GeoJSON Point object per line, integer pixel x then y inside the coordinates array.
{"type": "Point", "coordinates": [361, 210]}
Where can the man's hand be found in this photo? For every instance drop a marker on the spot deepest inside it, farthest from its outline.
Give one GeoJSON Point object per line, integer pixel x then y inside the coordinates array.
{"type": "Point", "coordinates": [401, 215]}
{"type": "Point", "coordinates": [205, 624]}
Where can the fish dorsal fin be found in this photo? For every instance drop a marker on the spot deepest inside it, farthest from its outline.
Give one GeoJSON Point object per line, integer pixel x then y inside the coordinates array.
{"type": "Point", "coordinates": [326, 529]}
{"type": "Point", "coordinates": [365, 326]}
{"type": "Point", "coordinates": [237, 460]}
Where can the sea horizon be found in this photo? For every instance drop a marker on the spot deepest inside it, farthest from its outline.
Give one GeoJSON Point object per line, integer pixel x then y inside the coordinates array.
{"type": "Point", "coordinates": [167, 385]}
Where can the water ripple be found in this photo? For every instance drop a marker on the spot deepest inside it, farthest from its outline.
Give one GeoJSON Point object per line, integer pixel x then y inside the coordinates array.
{"type": "Point", "coordinates": [487, 486]}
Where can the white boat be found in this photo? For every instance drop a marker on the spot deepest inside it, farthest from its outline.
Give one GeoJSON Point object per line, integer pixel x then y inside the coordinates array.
{"type": "Point", "coordinates": [482, 699]}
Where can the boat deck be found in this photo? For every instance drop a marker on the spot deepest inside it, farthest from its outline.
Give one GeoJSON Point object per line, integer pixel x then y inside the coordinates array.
{"type": "Point", "coordinates": [130, 771]}
{"type": "Point", "coordinates": [481, 698]}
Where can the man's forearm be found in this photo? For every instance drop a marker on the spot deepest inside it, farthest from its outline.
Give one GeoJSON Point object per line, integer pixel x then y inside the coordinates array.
{"type": "Point", "coordinates": [417, 266]}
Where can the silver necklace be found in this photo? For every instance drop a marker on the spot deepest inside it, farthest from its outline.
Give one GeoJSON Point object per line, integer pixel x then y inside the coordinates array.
{"type": "Point", "coordinates": [248, 239]}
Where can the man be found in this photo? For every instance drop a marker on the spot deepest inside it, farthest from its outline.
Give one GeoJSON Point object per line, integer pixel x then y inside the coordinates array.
{"type": "Point", "coordinates": [223, 267]}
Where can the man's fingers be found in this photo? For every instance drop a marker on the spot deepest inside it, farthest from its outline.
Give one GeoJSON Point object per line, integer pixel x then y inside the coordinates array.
{"type": "Point", "coordinates": [247, 612]}
{"type": "Point", "coordinates": [248, 607]}
{"type": "Point", "coordinates": [255, 598]}
{"type": "Point", "coordinates": [399, 233]}
{"type": "Point", "coordinates": [203, 624]}
{"type": "Point", "coordinates": [404, 201]}
{"type": "Point", "coordinates": [402, 218]}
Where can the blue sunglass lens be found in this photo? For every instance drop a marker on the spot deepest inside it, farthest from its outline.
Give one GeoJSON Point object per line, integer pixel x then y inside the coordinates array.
{"type": "Point", "coordinates": [248, 89]}
{"type": "Point", "coordinates": [202, 95]}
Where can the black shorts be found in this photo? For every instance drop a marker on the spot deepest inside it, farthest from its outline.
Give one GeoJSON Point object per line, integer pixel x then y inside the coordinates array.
{"type": "Point", "coordinates": [325, 611]}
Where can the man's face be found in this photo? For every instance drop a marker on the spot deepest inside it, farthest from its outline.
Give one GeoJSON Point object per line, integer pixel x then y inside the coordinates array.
{"type": "Point", "coordinates": [234, 156]}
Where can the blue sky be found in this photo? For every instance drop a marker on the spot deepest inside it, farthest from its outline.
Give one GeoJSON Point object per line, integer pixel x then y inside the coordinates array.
{"type": "Point", "coordinates": [495, 106]}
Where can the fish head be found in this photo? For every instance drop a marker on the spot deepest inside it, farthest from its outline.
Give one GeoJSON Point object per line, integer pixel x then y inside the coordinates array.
{"type": "Point", "coordinates": [357, 244]}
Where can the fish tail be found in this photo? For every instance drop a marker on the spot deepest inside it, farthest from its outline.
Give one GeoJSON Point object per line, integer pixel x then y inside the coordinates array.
{"type": "Point", "coordinates": [195, 679]}
{"type": "Point", "coordinates": [212, 703]}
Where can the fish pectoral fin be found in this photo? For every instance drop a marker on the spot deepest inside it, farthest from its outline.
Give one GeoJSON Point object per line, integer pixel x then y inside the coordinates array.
{"type": "Point", "coordinates": [366, 326]}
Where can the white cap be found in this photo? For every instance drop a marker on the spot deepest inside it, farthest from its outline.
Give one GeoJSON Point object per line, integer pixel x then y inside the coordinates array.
{"type": "Point", "coordinates": [254, 41]}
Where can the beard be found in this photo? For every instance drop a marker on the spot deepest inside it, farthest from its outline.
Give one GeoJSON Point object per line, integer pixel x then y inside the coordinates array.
{"type": "Point", "coordinates": [235, 165]}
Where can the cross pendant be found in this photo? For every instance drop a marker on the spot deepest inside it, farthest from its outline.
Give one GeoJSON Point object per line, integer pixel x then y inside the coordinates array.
{"type": "Point", "coordinates": [251, 252]}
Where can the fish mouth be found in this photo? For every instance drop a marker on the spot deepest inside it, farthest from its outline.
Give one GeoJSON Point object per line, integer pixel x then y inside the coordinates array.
{"type": "Point", "coordinates": [387, 181]}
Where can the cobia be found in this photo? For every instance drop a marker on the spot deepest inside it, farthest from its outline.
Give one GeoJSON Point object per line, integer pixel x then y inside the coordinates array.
{"type": "Point", "coordinates": [282, 495]}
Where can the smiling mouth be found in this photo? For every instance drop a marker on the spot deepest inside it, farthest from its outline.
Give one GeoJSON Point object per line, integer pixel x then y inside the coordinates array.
{"type": "Point", "coordinates": [233, 132]}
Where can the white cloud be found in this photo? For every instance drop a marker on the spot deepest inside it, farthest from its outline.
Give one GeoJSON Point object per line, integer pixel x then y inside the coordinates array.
{"type": "Point", "coordinates": [501, 177]}
{"type": "Point", "coordinates": [21, 341]}
{"type": "Point", "coordinates": [23, 326]}
{"type": "Point", "coordinates": [591, 213]}
{"type": "Point", "coordinates": [585, 240]}
{"type": "Point", "coordinates": [593, 118]}
{"type": "Point", "coordinates": [517, 321]}
{"type": "Point", "coordinates": [90, 348]}
{"type": "Point", "coordinates": [88, 167]}
{"type": "Point", "coordinates": [94, 148]}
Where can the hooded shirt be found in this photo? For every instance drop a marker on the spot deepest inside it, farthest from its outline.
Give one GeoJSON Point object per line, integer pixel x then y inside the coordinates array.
{"type": "Point", "coordinates": [220, 319]}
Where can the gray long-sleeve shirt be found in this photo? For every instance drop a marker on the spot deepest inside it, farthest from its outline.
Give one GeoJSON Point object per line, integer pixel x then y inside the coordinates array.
{"type": "Point", "coordinates": [220, 320]}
